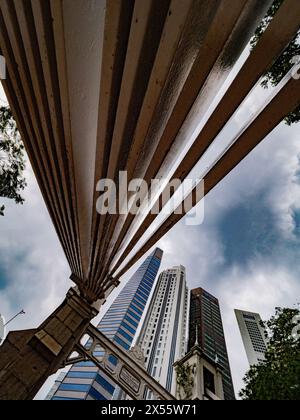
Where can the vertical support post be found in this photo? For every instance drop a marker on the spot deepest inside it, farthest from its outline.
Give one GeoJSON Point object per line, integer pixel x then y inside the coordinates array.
{"type": "Point", "coordinates": [28, 358]}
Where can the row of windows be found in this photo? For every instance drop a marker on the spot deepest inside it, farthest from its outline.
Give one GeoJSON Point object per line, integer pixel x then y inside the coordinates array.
{"type": "Point", "coordinates": [87, 375]}
{"type": "Point", "coordinates": [105, 384]}
{"type": "Point", "coordinates": [139, 292]}
{"type": "Point", "coordinates": [125, 335]}
{"type": "Point", "coordinates": [136, 309]}
{"type": "Point", "coordinates": [140, 299]}
{"type": "Point", "coordinates": [138, 304]}
{"type": "Point", "coordinates": [86, 388]}
{"type": "Point", "coordinates": [133, 315]}
{"type": "Point", "coordinates": [122, 343]}
{"type": "Point", "coordinates": [125, 325]}
{"type": "Point", "coordinates": [131, 321]}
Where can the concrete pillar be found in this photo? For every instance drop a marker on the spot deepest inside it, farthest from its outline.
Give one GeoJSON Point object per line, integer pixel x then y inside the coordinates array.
{"type": "Point", "coordinates": [28, 358]}
{"type": "Point", "coordinates": [219, 383]}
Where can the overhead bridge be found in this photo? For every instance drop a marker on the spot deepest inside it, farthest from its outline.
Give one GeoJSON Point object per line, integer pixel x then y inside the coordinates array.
{"type": "Point", "coordinates": [98, 87]}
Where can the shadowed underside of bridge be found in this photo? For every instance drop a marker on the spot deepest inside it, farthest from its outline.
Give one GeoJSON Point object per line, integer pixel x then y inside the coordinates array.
{"type": "Point", "coordinates": [99, 87]}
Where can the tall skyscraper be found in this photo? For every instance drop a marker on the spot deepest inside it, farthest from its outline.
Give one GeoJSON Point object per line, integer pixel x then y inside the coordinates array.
{"type": "Point", "coordinates": [163, 335]}
{"type": "Point", "coordinates": [56, 385]}
{"type": "Point", "coordinates": [253, 335]}
{"type": "Point", "coordinates": [85, 381]}
{"type": "Point", "coordinates": [206, 327]}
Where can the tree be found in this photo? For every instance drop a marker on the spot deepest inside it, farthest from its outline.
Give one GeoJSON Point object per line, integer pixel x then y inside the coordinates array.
{"type": "Point", "coordinates": [284, 63]}
{"type": "Point", "coordinates": [278, 377]}
{"type": "Point", "coordinates": [12, 159]}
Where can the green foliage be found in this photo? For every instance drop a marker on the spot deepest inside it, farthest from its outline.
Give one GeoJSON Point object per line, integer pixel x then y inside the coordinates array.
{"type": "Point", "coordinates": [284, 63]}
{"type": "Point", "coordinates": [12, 159]}
{"type": "Point", "coordinates": [278, 377]}
{"type": "Point", "coordinates": [185, 380]}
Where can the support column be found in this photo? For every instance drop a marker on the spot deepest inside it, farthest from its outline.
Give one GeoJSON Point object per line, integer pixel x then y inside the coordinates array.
{"type": "Point", "coordinates": [28, 358]}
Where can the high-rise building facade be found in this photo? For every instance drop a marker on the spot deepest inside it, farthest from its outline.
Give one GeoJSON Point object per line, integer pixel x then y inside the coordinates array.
{"type": "Point", "coordinates": [85, 381]}
{"type": "Point", "coordinates": [253, 336]}
{"type": "Point", "coordinates": [164, 331]}
{"type": "Point", "coordinates": [56, 385]}
{"type": "Point", "coordinates": [206, 328]}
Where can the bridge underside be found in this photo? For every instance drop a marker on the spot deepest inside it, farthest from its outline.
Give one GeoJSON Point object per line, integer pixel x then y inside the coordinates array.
{"type": "Point", "coordinates": [99, 87]}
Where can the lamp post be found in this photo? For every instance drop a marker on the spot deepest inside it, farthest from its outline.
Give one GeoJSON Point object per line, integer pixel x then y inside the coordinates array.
{"type": "Point", "coordinates": [4, 324]}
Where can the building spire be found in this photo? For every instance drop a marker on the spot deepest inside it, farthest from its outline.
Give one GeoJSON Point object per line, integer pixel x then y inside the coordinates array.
{"type": "Point", "coordinates": [197, 335]}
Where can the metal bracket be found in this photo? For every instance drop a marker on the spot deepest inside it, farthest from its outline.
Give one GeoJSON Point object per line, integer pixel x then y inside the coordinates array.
{"type": "Point", "coordinates": [122, 367]}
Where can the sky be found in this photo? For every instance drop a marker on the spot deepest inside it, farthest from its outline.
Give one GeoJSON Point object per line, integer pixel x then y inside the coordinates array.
{"type": "Point", "coordinates": [246, 252]}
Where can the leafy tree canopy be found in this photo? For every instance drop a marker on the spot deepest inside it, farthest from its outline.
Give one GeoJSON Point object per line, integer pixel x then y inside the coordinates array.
{"type": "Point", "coordinates": [12, 159]}
{"type": "Point", "coordinates": [284, 63]}
{"type": "Point", "coordinates": [278, 377]}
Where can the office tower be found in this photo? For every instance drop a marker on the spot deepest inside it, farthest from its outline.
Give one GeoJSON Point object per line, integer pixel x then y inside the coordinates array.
{"type": "Point", "coordinates": [206, 328]}
{"type": "Point", "coordinates": [85, 381]}
{"type": "Point", "coordinates": [56, 385]}
{"type": "Point", "coordinates": [163, 335]}
{"type": "Point", "coordinates": [253, 335]}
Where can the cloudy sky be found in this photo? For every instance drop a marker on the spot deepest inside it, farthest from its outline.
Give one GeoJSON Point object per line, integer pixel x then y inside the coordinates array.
{"type": "Point", "coordinates": [246, 252]}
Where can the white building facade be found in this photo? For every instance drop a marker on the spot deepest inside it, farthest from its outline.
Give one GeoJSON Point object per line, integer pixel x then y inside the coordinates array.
{"type": "Point", "coordinates": [163, 337]}
{"type": "Point", "coordinates": [253, 336]}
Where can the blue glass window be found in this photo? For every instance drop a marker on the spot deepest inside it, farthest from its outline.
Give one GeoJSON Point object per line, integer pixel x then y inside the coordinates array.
{"type": "Point", "coordinates": [85, 364]}
{"type": "Point", "coordinates": [121, 343]}
{"type": "Point", "coordinates": [90, 375]}
{"type": "Point", "coordinates": [125, 335]}
{"type": "Point", "coordinates": [138, 304]}
{"type": "Point", "coordinates": [113, 360]}
{"type": "Point", "coordinates": [74, 387]}
{"type": "Point", "coordinates": [136, 309]}
{"type": "Point", "coordinates": [105, 384]}
{"type": "Point", "coordinates": [133, 315]}
{"type": "Point", "coordinates": [131, 321]}
{"type": "Point", "coordinates": [128, 327]}
{"type": "Point", "coordinates": [96, 395]}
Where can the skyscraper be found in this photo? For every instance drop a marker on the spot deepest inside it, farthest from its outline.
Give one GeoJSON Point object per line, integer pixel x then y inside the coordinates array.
{"type": "Point", "coordinates": [85, 381]}
{"type": "Point", "coordinates": [163, 335]}
{"type": "Point", "coordinates": [206, 327]}
{"type": "Point", "coordinates": [253, 335]}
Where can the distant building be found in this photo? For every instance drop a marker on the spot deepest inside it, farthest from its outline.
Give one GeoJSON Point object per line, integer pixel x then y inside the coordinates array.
{"type": "Point", "coordinates": [206, 329]}
{"type": "Point", "coordinates": [85, 381]}
{"type": "Point", "coordinates": [163, 335]}
{"type": "Point", "coordinates": [253, 336]}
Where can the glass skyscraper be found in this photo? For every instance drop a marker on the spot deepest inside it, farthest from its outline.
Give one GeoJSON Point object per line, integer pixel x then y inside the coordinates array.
{"type": "Point", "coordinates": [85, 381]}
{"type": "Point", "coordinates": [205, 317]}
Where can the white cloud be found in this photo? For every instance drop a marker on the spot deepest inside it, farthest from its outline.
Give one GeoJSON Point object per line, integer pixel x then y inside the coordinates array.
{"type": "Point", "coordinates": [31, 259]}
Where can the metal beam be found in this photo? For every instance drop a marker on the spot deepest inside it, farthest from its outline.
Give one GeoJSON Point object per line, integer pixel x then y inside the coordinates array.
{"type": "Point", "coordinates": [127, 373]}
{"type": "Point", "coordinates": [261, 58]}
{"type": "Point", "coordinates": [285, 99]}
{"type": "Point", "coordinates": [185, 100]}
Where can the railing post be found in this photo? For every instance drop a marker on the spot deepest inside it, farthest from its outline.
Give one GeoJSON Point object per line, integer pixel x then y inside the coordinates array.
{"type": "Point", "coordinates": [28, 358]}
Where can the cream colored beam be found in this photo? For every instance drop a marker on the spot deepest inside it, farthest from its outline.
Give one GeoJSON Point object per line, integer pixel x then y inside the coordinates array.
{"type": "Point", "coordinates": [144, 38]}
{"type": "Point", "coordinates": [260, 126]}
{"type": "Point", "coordinates": [185, 28]}
{"type": "Point", "coordinates": [271, 45]}
{"type": "Point", "coordinates": [206, 70]}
